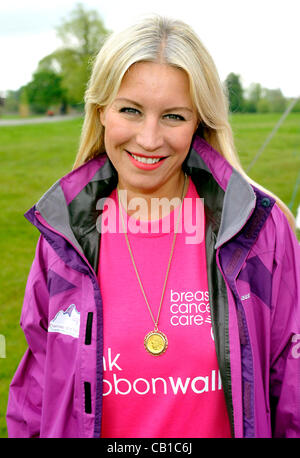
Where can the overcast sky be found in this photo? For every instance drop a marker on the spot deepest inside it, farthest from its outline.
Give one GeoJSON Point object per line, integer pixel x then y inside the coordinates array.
{"type": "Point", "coordinates": [258, 39]}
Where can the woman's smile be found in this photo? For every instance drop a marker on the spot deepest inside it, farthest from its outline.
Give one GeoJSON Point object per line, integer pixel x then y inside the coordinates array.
{"type": "Point", "coordinates": [146, 162]}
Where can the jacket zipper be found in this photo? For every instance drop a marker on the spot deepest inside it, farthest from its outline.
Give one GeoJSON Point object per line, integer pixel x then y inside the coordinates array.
{"type": "Point", "coordinates": [237, 411]}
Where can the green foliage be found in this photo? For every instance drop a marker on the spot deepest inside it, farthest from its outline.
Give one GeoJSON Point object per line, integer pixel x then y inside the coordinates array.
{"type": "Point", "coordinates": [44, 90]}
{"type": "Point", "coordinates": [82, 36]}
{"type": "Point", "coordinates": [234, 92]}
{"type": "Point", "coordinates": [84, 31]}
{"type": "Point", "coordinates": [252, 96]}
{"type": "Point", "coordinates": [255, 98]}
{"type": "Point", "coordinates": [276, 100]}
{"type": "Point", "coordinates": [296, 108]}
{"type": "Point", "coordinates": [263, 106]}
{"type": "Point", "coordinates": [12, 100]}
{"type": "Point", "coordinates": [262, 100]}
{"type": "Point", "coordinates": [249, 106]}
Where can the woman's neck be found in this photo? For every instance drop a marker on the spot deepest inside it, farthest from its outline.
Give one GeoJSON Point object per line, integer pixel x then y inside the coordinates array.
{"type": "Point", "coordinates": [153, 205]}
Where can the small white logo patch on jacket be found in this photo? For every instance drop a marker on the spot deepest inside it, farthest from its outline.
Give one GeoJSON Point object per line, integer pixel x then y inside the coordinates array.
{"type": "Point", "coordinates": [66, 322]}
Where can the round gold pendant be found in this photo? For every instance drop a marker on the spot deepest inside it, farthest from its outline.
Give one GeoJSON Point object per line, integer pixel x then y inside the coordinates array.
{"type": "Point", "coordinates": [156, 343]}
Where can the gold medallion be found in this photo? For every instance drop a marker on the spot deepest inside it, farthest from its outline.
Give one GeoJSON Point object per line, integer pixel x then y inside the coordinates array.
{"type": "Point", "coordinates": [156, 343]}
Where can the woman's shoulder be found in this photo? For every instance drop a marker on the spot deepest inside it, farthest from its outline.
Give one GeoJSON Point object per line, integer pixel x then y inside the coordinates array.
{"type": "Point", "coordinates": [279, 231]}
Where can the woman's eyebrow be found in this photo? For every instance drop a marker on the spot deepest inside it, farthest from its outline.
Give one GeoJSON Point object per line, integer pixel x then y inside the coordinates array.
{"type": "Point", "coordinates": [180, 109]}
{"type": "Point", "coordinates": [124, 99]}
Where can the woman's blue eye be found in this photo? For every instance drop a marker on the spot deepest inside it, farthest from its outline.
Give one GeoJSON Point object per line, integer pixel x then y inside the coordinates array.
{"type": "Point", "coordinates": [175, 117]}
{"type": "Point", "coordinates": [129, 110]}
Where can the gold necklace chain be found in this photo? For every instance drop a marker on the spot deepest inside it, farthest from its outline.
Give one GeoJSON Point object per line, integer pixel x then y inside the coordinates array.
{"type": "Point", "coordinates": [155, 341]}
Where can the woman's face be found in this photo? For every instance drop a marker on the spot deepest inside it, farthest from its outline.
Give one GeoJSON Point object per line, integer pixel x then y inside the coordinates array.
{"type": "Point", "coordinates": [148, 129]}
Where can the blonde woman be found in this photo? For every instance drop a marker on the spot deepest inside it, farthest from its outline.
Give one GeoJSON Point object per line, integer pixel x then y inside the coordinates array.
{"type": "Point", "coordinates": [163, 300]}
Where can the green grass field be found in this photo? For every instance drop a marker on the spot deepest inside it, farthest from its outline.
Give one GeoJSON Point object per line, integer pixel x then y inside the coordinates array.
{"type": "Point", "coordinates": [33, 157]}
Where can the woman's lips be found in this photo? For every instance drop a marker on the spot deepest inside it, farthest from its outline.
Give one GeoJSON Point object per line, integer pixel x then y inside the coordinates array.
{"type": "Point", "coordinates": [144, 165]}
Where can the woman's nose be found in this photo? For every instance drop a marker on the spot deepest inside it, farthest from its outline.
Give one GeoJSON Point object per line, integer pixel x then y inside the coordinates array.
{"type": "Point", "coordinates": [149, 136]}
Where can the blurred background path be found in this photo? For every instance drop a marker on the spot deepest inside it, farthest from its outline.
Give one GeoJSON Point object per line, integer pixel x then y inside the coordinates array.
{"type": "Point", "coordinates": [38, 120]}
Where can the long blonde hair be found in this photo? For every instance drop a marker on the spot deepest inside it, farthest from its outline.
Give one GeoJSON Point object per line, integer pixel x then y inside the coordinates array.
{"type": "Point", "coordinates": [165, 40]}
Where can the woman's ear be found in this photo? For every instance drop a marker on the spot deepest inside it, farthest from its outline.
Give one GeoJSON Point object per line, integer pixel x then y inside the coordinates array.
{"type": "Point", "coordinates": [102, 115]}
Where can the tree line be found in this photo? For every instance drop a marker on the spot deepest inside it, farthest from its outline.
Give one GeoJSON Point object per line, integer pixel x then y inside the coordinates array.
{"type": "Point", "coordinates": [255, 99]}
{"type": "Point", "coordinates": [60, 79]}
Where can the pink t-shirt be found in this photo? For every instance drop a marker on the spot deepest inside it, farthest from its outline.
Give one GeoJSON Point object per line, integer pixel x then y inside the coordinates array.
{"type": "Point", "coordinates": [178, 393]}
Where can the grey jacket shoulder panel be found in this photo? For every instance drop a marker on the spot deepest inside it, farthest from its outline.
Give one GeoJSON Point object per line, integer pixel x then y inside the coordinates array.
{"type": "Point", "coordinates": [53, 208]}
{"type": "Point", "coordinates": [239, 203]}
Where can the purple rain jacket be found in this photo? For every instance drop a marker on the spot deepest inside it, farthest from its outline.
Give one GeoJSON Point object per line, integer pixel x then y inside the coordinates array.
{"type": "Point", "coordinates": [253, 265]}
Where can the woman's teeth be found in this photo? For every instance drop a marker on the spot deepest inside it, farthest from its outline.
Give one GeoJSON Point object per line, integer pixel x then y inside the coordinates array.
{"type": "Point", "coordinates": [145, 160]}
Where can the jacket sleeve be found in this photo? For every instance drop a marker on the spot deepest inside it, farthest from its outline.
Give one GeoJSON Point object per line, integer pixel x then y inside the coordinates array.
{"type": "Point", "coordinates": [26, 390]}
{"type": "Point", "coordinates": [285, 333]}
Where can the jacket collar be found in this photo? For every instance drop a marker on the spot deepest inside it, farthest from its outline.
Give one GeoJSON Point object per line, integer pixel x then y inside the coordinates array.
{"type": "Point", "coordinates": [239, 199]}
